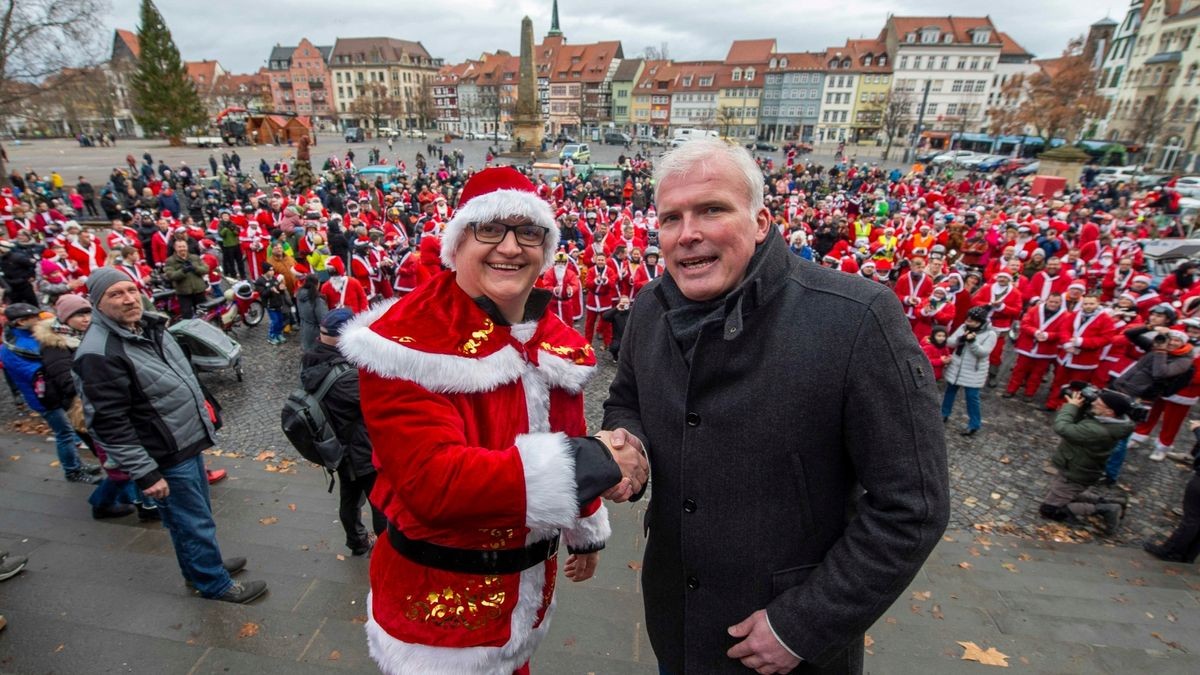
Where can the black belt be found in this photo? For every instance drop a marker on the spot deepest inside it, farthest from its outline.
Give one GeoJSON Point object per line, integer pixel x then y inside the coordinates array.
{"type": "Point", "coordinates": [467, 561]}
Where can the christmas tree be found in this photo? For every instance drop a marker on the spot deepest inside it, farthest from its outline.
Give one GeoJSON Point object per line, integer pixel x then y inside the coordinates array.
{"type": "Point", "coordinates": [165, 100]}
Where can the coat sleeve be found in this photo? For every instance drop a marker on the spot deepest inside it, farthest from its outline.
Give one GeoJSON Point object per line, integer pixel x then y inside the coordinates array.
{"type": "Point", "coordinates": [422, 455]}
{"type": "Point", "coordinates": [894, 438]}
{"type": "Point", "coordinates": [106, 387]}
{"type": "Point", "coordinates": [621, 409]}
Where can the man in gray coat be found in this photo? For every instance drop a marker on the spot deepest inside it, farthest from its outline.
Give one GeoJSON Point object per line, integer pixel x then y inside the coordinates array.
{"type": "Point", "coordinates": [791, 422]}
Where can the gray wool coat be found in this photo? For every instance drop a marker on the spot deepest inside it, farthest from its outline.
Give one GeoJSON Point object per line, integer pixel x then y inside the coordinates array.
{"type": "Point", "coordinates": [809, 391]}
{"type": "Point", "coordinates": [969, 368]}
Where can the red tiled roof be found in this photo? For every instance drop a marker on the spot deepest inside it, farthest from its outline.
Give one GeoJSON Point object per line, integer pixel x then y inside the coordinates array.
{"type": "Point", "coordinates": [584, 63]}
{"type": "Point", "coordinates": [654, 72]}
{"type": "Point", "coordinates": [696, 71]}
{"type": "Point", "coordinates": [857, 52]}
{"type": "Point", "coordinates": [959, 26]}
{"type": "Point", "coordinates": [1010, 47]}
{"type": "Point", "coordinates": [131, 41]}
{"type": "Point", "coordinates": [203, 73]}
{"type": "Point", "coordinates": [743, 52]}
{"type": "Point", "coordinates": [1052, 66]}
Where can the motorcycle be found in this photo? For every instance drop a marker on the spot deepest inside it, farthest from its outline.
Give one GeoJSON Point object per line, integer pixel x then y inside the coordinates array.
{"type": "Point", "coordinates": [249, 302]}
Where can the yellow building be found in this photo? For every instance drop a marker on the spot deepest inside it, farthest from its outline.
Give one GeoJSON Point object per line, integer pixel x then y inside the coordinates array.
{"type": "Point", "coordinates": [870, 62]}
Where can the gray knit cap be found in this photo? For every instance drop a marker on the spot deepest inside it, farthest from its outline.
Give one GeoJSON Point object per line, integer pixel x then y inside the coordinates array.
{"type": "Point", "coordinates": [99, 281]}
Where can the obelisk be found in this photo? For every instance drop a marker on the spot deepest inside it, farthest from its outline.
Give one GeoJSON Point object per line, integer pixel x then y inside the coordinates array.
{"type": "Point", "coordinates": [527, 125]}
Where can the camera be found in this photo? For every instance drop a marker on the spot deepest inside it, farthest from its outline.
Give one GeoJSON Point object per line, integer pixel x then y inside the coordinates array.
{"type": "Point", "coordinates": [1087, 390]}
{"type": "Point", "coordinates": [1160, 339]}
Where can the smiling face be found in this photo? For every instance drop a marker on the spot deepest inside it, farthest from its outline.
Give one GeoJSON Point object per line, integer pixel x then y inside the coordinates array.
{"type": "Point", "coordinates": [707, 231]}
{"type": "Point", "coordinates": [503, 272]}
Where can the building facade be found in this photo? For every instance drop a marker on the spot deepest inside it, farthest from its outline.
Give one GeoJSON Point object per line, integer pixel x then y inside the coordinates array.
{"type": "Point", "coordinates": [622, 93]}
{"type": "Point", "coordinates": [300, 80]}
{"type": "Point", "coordinates": [1115, 64]}
{"type": "Point", "coordinates": [383, 82]}
{"type": "Point", "coordinates": [791, 100]}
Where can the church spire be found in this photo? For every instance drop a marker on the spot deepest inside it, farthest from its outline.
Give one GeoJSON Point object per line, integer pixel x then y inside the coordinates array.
{"type": "Point", "coordinates": [555, 31]}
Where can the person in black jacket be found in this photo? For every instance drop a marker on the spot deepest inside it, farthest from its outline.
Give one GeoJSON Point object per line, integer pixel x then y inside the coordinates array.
{"type": "Point", "coordinates": [356, 473]}
{"type": "Point", "coordinates": [1184, 543]}
{"type": "Point", "coordinates": [19, 271]}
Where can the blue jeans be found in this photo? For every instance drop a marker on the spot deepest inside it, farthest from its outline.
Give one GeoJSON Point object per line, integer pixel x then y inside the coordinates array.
{"type": "Point", "coordinates": [275, 330]}
{"type": "Point", "coordinates": [187, 514]}
{"type": "Point", "coordinates": [974, 416]}
{"type": "Point", "coordinates": [66, 441]}
{"type": "Point", "coordinates": [1112, 470]}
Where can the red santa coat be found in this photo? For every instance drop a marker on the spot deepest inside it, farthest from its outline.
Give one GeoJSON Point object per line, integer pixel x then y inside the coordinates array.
{"type": "Point", "coordinates": [1040, 285]}
{"type": "Point", "coordinates": [912, 293]}
{"type": "Point", "coordinates": [255, 241]}
{"type": "Point", "coordinates": [1009, 302]}
{"type": "Point", "coordinates": [87, 259]}
{"type": "Point", "coordinates": [602, 287]}
{"type": "Point", "coordinates": [565, 289]}
{"type": "Point", "coordinates": [471, 421]}
{"type": "Point", "coordinates": [346, 293]}
{"type": "Point", "coordinates": [1089, 337]}
{"type": "Point", "coordinates": [408, 273]}
{"type": "Point", "coordinates": [1056, 325]}
{"type": "Point", "coordinates": [160, 247]}
{"type": "Point", "coordinates": [645, 274]}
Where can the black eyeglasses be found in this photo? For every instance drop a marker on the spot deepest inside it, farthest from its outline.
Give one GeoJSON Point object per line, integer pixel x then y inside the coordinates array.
{"type": "Point", "coordinates": [527, 234]}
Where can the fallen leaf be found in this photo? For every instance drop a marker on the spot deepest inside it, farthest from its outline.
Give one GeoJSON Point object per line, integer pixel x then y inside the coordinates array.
{"type": "Point", "coordinates": [1024, 660]}
{"type": "Point", "coordinates": [1172, 571]}
{"type": "Point", "coordinates": [1170, 643]}
{"type": "Point", "coordinates": [922, 595]}
{"type": "Point", "coordinates": [335, 655]}
{"type": "Point", "coordinates": [361, 618]}
{"type": "Point", "coordinates": [15, 458]}
{"type": "Point", "coordinates": [990, 657]}
{"type": "Point", "coordinates": [868, 640]}
{"type": "Point", "coordinates": [946, 537]}
{"type": "Point", "coordinates": [936, 613]}
{"type": "Point", "coordinates": [1010, 567]}
{"type": "Point", "coordinates": [1114, 574]}
{"type": "Point", "coordinates": [891, 621]}
{"type": "Point", "coordinates": [974, 552]}
{"type": "Point", "coordinates": [249, 629]}
{"type": "Point", "coordinates": [341, 557]}
{"type": "Point", "coordinates": [1024, 557]}
{"type": "Point", "coordinates": [1006, 460]}
{"type": "Point", "coordinates": [271, 468]}
{"type": "Point", "coordinates": [56, 463]}
{"type": "Point", "coordinates": [1138, 581]}
{"type": "Point", "coordinates": [1149, 615]}
{"type": "Point", "coordinates": [996, 496]}
{"type": "Point", "coordinates": [1171, 617]}
{"type": "Point", "coordinates": [60, 648]}
{"type": "Point", "coordinates": [915, 609]}
{"type": "Point", "coordinates": [965, 565]}
{"type": "Point", "coordinates": [264, 456]}
{"type": "Point", "coordinates": [634, 565]}
{"type": "Point", "coordinates": [291, 507]}
{"type": "Point", "coordinates": [269, 520]}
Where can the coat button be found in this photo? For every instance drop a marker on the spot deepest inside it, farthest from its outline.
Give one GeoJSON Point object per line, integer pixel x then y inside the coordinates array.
{"type": "Point", "coordinates": [689, 505]}
{"type": "Point", "coordinates": [693, 419]}
{"type": "Point", "coordinates": [693, 583]}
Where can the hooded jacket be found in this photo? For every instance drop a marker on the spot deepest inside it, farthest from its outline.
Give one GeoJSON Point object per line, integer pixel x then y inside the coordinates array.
{"type": "Point", "coordinates": [58, 353]}
{"type": "Point", "coordinates": [342, 406]}
{"type": "Point", "coordinates": [1086, 443]}
{"type": "Point", "coordinates": [142, 400]}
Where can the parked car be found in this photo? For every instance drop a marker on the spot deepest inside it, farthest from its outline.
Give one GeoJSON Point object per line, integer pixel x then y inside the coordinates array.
{"type": "Point", "coordinates": [927, 155]}
{"type": "Point", "coordinates": [1028, 169]}
{"type": "Point", "coordinates": [646, 139]}
{"type": "Point", "coordinates": [974, 162]}
{"type": "Point", "coordinates": [415, 133]}
{"type": "Point", "coordinates": [354, 135]}
{"type": "Point", "coordinates": [389, 173]}
{"type": "Point", "coordinates": [762, 146]}
{"type": "Point", "coordinates": [563, 138]}
{"type": "Point", "coordinates": [991, 163]}
{"type": "Point", "coordinates": [501, 136]}
{"type": "Point", "coordinates": [617, 138]}
{"type": "Point", "coordinates": [386, 132]}
{"type": "Point", "coordinates": [953, 157]}
{"type": "Point", "coordinates": [579, 153]}
{"type": "Point", "coordinates": [1188, 186]}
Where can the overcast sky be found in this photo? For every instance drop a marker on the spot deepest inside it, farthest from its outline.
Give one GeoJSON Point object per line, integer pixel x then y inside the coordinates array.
{"type": "Point", "coordinates": [240, 34]}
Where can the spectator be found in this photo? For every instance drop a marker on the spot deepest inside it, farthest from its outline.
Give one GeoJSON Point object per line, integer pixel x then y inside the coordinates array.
{"type": "Point", "coordinates": [146, 408]}
{"type": "Point", "coordinates": [186, 273]}
{"type": "Point", "coordinates": [1184, 543]}
{"type": "Point", "coordinates": [19, 271]}
{"type": "Point", "coordinates": [356, 473]}
{"type": "Point", "coordinates": [342, 290]}
{"type": "Point", "coordinates": [937, 351]}
{"type": "Point", "coordinates": [310, 311]}
{"type": "Point", "coordinates": [274, 297]}
{"type": "Point", "coordinates": [1088, 432]}
{"type": "Point", "coordinates": [22, 358]}
{"type": "Point", "coordinates": [972, 343]}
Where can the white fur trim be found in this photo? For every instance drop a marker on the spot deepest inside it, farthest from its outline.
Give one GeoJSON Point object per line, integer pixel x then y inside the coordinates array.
{"type": "Point", "coordinates": [396, 657]}
{"type": "Point", "coordinates": [550, 492]}
{"type": "Point", "coordinates": [440, 373]}
{"type": "Point", "coordinates": [495, 206]}
{"type": "Point", "coordinates": [564, 374]}
{"type": "Point", "coordinates": [591, 531]}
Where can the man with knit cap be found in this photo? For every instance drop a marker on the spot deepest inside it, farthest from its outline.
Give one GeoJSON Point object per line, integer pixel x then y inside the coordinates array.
{"type": "Point", "coordinates": [472, 393]}
{"type": "Point", "coordinates": [145, 407]}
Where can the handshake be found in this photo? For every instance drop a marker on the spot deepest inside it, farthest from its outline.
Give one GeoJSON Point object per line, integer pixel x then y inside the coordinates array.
{"type": "Point", "coordinates": [630, 456]}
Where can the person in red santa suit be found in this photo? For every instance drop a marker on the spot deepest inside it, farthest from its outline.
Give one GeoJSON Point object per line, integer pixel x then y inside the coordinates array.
{"type": "Point", "coordinates": [938, 309]}
{"type": "Point", "coordinates": [912, 288]}
{"type": "Point", "coordinates": [1050, 279]}
{"type": "Point", "coordinates": [254, 248]}
{"type": "Point", "coordinates": [601, 287]}
{"type": "Point", "coordinates": [563, 283]}
{"type": "Point", "coordinates": [86, 252]}
{"type": "Point", "coordinates": [650, 270]}
{"type": "Point", "coordinates": [1003, 301]}
{"type": "Point", "coordinates": [408, 272]}
{"type": "Point", "coordinates": [1082, 351]}
{"type": "Point", "coordinates": [341, 290]}
{"type": "Point", "coordinates": [364, 270]}
{"type": "Point", "coordinates": [122, 235]}
{"type": "Point", "coordinates": [474, 394]}
{"type": "Point", "coordinates": [1145, 295]}
{"type": "Point", "coordinates": [1044, 327]}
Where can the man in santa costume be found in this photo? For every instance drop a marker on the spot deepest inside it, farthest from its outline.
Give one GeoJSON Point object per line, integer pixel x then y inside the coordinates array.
{"type": "Point", "coordinates": [1050, 279]}
{"type": "Point", "coordinates": [86, 252]}
{"type": "Point", "coordinates": [602, 281]}
{"type": "Point", "coordinates": [563, 283]}
{"type": "Point", "coordinates": [254, 241]}
{"type": "Point", "coordinates": [650, 270]}
{"type": "Point", "coordinates": [912, 288]}
{"type": "Point", "coordinates": [474, 394]}
{"type": "Point", "coordinates": [341, 290]}
{"type": "Point", "coordinates": [1043, 328]}
{"type": "Point", "coordinates": [1145, 295]}
{"type": "Point", "coordinates": [1172, 410]}
{"type": "Point", "coordinates": [1081, 353]}
{"type": "Point", "coordinates": [1003, 301]}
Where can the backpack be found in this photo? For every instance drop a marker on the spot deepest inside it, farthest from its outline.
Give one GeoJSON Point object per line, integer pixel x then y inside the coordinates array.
{"type": "Point", "coordinates": [309, 429]}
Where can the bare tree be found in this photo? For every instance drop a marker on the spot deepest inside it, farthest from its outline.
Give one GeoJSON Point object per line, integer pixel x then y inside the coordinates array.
{"type": "Point", "coordinates": [376, 104]}
{"type": "Point", "coordinates": [1006, 117]}
{"type": "Point", "coordinates": [894, 111]}
{"type": "Point", "coordinates": [423, 104]}
{"type": "Point", "coordinates": [726, 117]}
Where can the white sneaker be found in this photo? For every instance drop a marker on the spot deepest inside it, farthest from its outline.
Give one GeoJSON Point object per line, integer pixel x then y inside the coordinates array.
{"type": "Point", "coordinates": [1158, 455]}
{"type": "Point", "coordinates": [1137, 439]}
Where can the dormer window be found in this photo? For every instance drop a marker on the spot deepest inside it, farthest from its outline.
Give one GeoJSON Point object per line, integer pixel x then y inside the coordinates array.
{"type": "Point", "coordinates": [930, 35]}
{"type": "Point", "coordinates": [882, 59]}
{"type": "Point", "coordinates": [911, 37]}
{"type": "Point", "coordinates": [948, 39]}
{"type": "Point", "coordinates": [773, 64]}
{"type": "Point", "coordinates": [833, 64]}
{"type": "Point", "coordinates": [783, 62]}
{"type": "Point", "coordinates": [845, 63]}
{"type": "Point", "coordinates": [981, 37]}
{"type": "Point", "coordinates": [737, 74]}
{"type": "Point", "coordinates": [867, 61]}
{"type": "Point", "coordinates": [749, 74]}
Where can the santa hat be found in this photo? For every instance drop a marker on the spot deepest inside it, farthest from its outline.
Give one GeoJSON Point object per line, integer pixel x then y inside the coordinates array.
{"type": "Point", "coordinates": [1002, 273]}
{"type": "Point", "coordinates": [494, 194]}
{"type": "Point", "coordinates": [1142, 278]}
{"type": "Point", "coordinates": [1127, 295]}
{"type": "Point", "coordinates": [336, 265]}
{"type": "Point", "coordinates": [1077, 284]}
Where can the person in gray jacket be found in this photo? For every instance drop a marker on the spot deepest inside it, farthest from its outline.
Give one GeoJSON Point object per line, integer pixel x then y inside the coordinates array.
{"type": "Point", "coordinates": [972, 343]}
{"type": "Point", "coordinates": [770, 395]}
{"type": "Point", "coordinates": [145, 407]}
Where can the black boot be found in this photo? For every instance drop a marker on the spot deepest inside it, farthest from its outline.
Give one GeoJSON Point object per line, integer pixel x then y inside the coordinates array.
{"type": "Point", "coordinates": [112, 511]}
{"type": "Point", "coordinates": [1162, 552]}
{"type": "Point", "coordinates": [146, 514]}
{"type": "Point", "coordinates": [1111, 513]}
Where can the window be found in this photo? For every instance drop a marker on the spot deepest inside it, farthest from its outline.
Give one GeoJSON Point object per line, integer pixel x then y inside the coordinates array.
{"type": "Point", "coordinates": [945, 63]}
{"type": "Point", "coordinates": [783, 62]}
{"type": "Point", "coordinates": [932, 109]}
{"type": "Point", "coordinates": [956, 87]}
{"type": "Point", "coordinates": [936, 85]}
{"type": "Point", "coordinates": [773, 63]}
{"type": "Point", "coordinates": [911, 37]}
{"type": "Point", "coordinates": [749, 74]}
{"type": "Point", "coordinates": [862, 98]}
{"type": "Point", "coordinates": [962, 63]}
{"type": "Point", "coordinates": [737, 74]}
{"type": "Point", "coordinates": [687, 81]}
{"type": "Point", "coordinates": [974, 63]}
{"type": "Point", "coordinates": [980, 85]}
{"type": "Point", "coordinates": [706, 81]}
{"type": "Point", "coordinates": [622, 110]}
{"type": "Point", "coordinates": [916, 63]}
{"type": "Point", "coordinates": [882, 59]}
{"type": "Point", "coordinates": [845, 114]}
{"type": "Point", "coordinates": [930, 35]}
{"type": "Point", "coordinates": [987, 63]}
{"type": "Point", "coordinates": [903, 63]}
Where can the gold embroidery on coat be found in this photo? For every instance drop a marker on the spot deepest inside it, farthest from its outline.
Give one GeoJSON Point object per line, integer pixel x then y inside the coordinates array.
{"type": "Point", "coordinates": [576, 355]}
{"type": "Point", "coordinates": [471, 346]}
{"type": "Point", "coordinates": [403, 339]}
{"type": "Point", "coordinates": [474, 607]}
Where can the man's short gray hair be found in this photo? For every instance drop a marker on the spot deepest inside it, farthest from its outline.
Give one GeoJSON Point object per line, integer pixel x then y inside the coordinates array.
{"type": "Point", "coordinates": [700, 153]}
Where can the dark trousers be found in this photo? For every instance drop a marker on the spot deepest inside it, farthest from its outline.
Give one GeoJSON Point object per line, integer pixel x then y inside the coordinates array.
{"type": "Point", "coordinates": [353, 492]}
{"type": "Point", "coordinates": [1185, 540]}
{"type": "Point", "coordinates": [90, 205]}
{"type": "Point", "coordinates": [21, 291]}
{"type": "Point", "coordinates": [233, 261]}
{"type": "Point", "coordinates": [187, 304]}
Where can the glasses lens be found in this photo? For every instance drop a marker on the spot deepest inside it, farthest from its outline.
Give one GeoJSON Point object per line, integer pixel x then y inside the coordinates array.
{"type": "Point", "coordinates": [531, 235]}
{"type": "Point", "coordinates": [489, 233]}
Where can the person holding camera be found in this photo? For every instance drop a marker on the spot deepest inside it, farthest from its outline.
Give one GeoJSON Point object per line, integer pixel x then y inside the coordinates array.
{"type": "Point", "coordinates": [186, 271]}
{"type": "Point", "coordinates": [972, 343]}
{"type": "Point", "coordinates": [1089, 422]}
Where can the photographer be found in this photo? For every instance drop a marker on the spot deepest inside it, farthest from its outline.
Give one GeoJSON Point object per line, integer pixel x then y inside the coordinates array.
{"type": "Point", "coordinates": [186, 272]}
{"type": "Point", "coordinates": [1163, 371]}
{"type": "Point", "coordinates": [972, 343]}
{"type": "Point", "coordinates": [1089, 422]}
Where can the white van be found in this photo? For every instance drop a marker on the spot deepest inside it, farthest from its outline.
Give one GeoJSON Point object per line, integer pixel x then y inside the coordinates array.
{"type": "Point", "coordinates": [686, 134]}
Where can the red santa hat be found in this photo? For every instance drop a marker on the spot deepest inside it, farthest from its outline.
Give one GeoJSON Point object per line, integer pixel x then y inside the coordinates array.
{"type": "Point", "coordinates": [1142, 278]}
{"type": "Point", "coordinates": [493, 194]}
{"type": "Point", "coordinates": [336, 265]}
{"type": "Point", "coordinates": [1078, 284]}
{"type": "Point", "coordinates": [1130, 296]}
{"type": "Point", "coordinates": [1002, 273]}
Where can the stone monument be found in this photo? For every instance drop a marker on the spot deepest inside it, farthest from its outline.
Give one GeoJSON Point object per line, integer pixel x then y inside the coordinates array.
{"type": "Point", "coordinates": [527, 123]}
